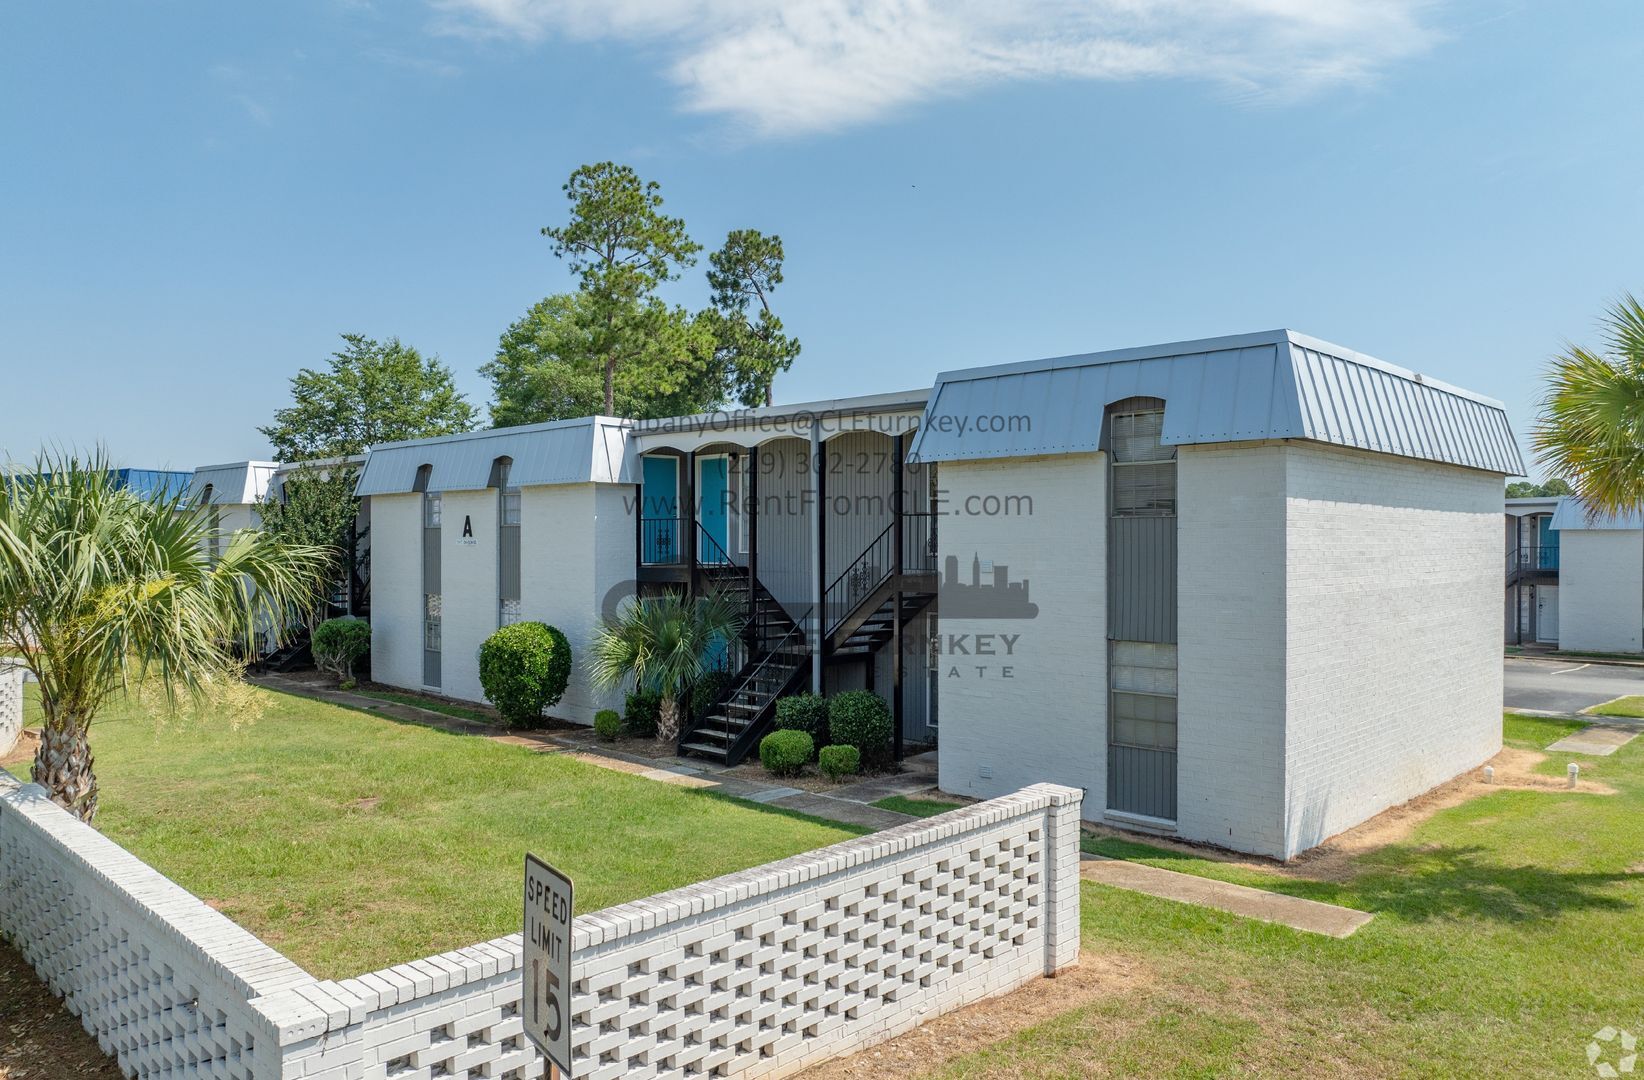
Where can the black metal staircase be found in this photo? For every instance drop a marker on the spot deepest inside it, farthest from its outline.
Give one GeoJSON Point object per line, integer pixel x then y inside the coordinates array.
{"type": "Point", "coordinates": [877, 592]}
{"type": "Point", "coordinates": [771, 659]}
{"type": "Point", "coordinates": [1532, 562]}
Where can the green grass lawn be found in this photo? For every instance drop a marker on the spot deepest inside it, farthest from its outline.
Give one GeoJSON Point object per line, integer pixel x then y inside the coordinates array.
{"type": "Point", "coordinates": [350, 842]}
{"type": "Point", "coordinates": [1632, 705]}
{"type": "Point", "coordinates": [1508, 929]}
{"type": "Point", "coordinates": [917, 807]}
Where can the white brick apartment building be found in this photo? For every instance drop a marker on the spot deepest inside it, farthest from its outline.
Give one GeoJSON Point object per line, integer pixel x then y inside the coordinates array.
{"type": "Point", "coordinates": [1264, 572]}
{"type": "Point", "coordinates": [1240, 590]}
{"type": "Point", "coordinates": [1575, 580]}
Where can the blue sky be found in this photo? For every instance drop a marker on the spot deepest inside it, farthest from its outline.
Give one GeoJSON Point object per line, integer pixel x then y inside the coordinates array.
{"type": "Point", "coordinates": [197, 198]}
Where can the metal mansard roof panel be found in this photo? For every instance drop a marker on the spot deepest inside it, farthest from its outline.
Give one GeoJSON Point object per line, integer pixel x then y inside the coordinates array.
{"type": "Point", "coordinates": [588, 449]}
{"type": "Point", "coordinates": [1272, 385]}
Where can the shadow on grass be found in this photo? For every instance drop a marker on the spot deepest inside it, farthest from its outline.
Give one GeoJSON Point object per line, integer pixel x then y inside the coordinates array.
{"type": "Point", "coordinates": [1443, 882]}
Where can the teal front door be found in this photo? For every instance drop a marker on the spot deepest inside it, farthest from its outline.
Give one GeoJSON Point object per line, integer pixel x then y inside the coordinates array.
{"type": "Point", "coordinates": [660, 542]}
{"type": "Point", "coordinates": [713, 487]}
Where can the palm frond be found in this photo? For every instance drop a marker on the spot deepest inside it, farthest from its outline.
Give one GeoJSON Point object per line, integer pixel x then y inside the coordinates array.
{"type": "Point", "coordinates": [1590, 429]}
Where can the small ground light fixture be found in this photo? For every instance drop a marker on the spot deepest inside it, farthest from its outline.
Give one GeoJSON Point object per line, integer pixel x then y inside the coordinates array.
{"type": "Point", "coordinates": [1574, 772]}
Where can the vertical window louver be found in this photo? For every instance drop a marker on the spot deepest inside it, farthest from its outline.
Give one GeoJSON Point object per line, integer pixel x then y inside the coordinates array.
{"type": "Point", "coordinates": [1141, 757]}
{"type": "Point", "coordinates": [508, 544]}
{"type": "Point", "coordinates": [432, 605]}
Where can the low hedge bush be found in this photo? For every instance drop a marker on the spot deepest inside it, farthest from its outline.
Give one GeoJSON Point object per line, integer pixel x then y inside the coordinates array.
{"type": "Point", "coordinates": [804, 712]}
{"type": "Point", "coordinates": [838, 762]}
{"type": "Point", "coordinates": [339, 644]}
{"type": "Point", "coordinates": [523, 669]}
{"type": "Point", "coordinates": [607, 724]}
{"type": "Point", "coordinates": [641, 711]}
{"type": "Point", "coordinates": [785, 753]}
{"type": "Point", "coordinates": [860, 718]}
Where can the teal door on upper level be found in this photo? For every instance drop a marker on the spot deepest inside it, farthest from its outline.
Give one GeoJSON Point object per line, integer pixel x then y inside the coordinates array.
{"type": "Point", "coordinates": [713, 487]}
{"type": "Point", "coordinates": [1546, 544]}
{"type": "Point", "coordinates": [659, 539]}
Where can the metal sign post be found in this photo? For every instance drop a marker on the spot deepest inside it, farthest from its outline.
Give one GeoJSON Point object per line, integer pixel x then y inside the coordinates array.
{"type": "Point", "coordinates": [546, 1002]}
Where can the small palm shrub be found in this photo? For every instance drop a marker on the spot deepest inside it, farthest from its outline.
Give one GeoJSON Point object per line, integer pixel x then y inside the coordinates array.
{"type": "Point", "coordinates": [607, 724]}
{"type": "Point", "coordinates": [860, 718]}
{"type": "Point", "coordinates": [523, 669]}
{"type": "Point", "coordinates": [838, 762]}
{"type": "Point", "coordinates": [804, 712]}
{"type": "Point", "coordinates": [339, 644]}
{"type": "Point", "coordinates": [663, 644]}
{"type": "Point", "coordinates": [786, 753]}
{"type": "Point", "coordinates": [641, 710]}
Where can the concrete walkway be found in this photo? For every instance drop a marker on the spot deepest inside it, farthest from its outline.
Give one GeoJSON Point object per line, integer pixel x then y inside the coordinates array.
{"type": "Point", "coordinates": [1601, 739]}
{"type": "Point", "coordinates": [1310, 915]}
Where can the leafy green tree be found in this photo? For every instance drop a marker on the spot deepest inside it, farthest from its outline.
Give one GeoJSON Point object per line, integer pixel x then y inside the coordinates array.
{"type": "Point", "coordinates": [548, 366]}
{"type": "Point", "coordinates": [372, 392]}
{"type": "Point", "coordinates": [752, 348]}
{"type": "Point", "coordinates": [102, 589]}
{"type": "Point", "coordinates": [314, 506]}
{"type": "Point", "coordinates": [1523, 489]}
{"type": "Point", "coordinates": [1591, 426]}
{"type": "Point", "coordinates": [663, 643]}
{"type": "Point", "coordinates": [622, 246]}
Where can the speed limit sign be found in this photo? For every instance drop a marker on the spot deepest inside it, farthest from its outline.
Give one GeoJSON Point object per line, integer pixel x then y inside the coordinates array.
{"type": "Point", "coordinates": [546, 1002]}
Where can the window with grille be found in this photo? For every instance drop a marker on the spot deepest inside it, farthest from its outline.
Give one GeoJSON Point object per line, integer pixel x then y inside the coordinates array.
{"type": "Point", "coordinates": [510, 613]}
{"type": "Point", "coordinates": [431, 622]}
{"type": "Point", "coordinates": [1144, 470]}
{"type": "Point", "coordinates": [1143, 677]}
{"type": "Point", "coordinates": [510, 507]}
{"type": "Point", "coordinates": [431, 510]}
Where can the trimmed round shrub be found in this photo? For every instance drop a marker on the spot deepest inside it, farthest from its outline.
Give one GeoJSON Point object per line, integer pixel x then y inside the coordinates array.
{"type": "Point", "coordinates": [607, 724]}
{"type": "Point", "coordinates": [641, 712]}
{"type": "Point", "coordinates": [860, 718]}
{"type": "Point", "coordinates": [339, 644]}
{"type": "Point", "coordinates": [707, 690]}
{"type": "Point", "coordinates": [523, 670]}
{"type": "Point", "coordinates": [838, 762]}
{"type": "Point", "coordinates": [785, 753]}
{"type": "Point", "coordinates": [805, 712]}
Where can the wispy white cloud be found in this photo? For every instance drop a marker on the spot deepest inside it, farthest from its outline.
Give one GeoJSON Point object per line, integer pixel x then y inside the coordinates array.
{"type": "Point", "coordinates": [817, 65]}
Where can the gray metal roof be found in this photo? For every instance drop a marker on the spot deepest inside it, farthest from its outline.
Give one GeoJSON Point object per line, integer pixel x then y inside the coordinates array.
{"type": "Point", "coordinates": [1277, 384]}
{"type": "Point", "coordinates": [587, 449]}
{"type": "Point", "coordinates": [237, 482]}
{"type": "Point", "coordinates": [1572, 516]}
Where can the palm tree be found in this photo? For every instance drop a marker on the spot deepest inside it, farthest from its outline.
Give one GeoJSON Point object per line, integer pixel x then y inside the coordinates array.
{"type": "Point", "coordinates": [663, 642]}
{"type": "Point", "coordinates": [1591, 426]}
{"type": "Point", "coordinates": [102, 588]}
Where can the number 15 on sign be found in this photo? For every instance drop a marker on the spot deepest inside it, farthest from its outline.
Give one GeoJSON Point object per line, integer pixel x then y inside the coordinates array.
{"type": "Point", "coordinates": [546, 1003]}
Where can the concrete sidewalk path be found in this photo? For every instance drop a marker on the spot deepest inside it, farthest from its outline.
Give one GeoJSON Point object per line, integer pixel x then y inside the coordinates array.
{"type": "Point", "coordinates": [1601, 740]}
{"type": "Point", "coordinates": [1311, 916]}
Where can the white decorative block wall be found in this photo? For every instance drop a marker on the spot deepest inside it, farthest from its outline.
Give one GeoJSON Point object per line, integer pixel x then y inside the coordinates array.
{"type": "Point", "coordinates": [11, 705]}
{"type": "Point", "coordinates": [165, 983]}
{"type": "Point", "coordinates": [760, 973]}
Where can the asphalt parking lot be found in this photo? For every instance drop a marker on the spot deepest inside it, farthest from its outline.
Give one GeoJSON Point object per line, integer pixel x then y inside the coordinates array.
{"type": "Point", "coordinates": [1556, 685]}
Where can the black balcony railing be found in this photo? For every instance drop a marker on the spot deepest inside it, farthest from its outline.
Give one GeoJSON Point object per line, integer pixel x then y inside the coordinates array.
{"type": "Point", "coordinates": [662, 541]}
{"type": "Point", "coordinates": [1532, 557]}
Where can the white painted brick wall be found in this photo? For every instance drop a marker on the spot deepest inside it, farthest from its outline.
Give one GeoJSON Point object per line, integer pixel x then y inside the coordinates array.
{"type": "Point", "coordinates": [1048, 721]}
{"type": "Point", "coordinates": [1230, 658]}
{"type": "Point", "coordinates": [759, 973]}
{"type": "Point", "coordinates": [11, 705]}
{"type": "Point", "coordinates": [396, 590]}
{"type": "Point", "coordinates": [1600, 590]}
{"type": "Point", "coordinates": [468, 589]}
{"type": "Point", "coordinates": [1392, 655]}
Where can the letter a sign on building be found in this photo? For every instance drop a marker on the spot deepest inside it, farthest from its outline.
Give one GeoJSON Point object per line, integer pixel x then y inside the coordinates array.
{"type": "Point", "coordinates": [546, 1002]}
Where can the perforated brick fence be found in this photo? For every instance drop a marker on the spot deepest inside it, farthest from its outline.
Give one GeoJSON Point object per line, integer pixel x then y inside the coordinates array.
{"type": "Point", "coordinates": [759, 973]}
{"type": "Point", "coordinates": [11, 704]}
